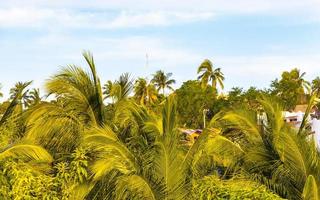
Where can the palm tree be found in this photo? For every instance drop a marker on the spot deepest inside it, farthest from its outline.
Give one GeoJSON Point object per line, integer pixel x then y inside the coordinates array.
{"type": "Point", "coordinates": [145, 92]}
{"type": "Point", "coordinates": [209, 74]}
{"type": "Point", "coordinates": [120, 89]}
{"type": "Point", "coordinates": [150, 165]}
{"type": "Point", "coordinates": [59, 125]}
{"type": "Point", "coordinates": [162, 81]}
{"type": "Point", "coordinates": [108, 90]}
{"type": "Point", "coordinates": [34, 98]}
{"type": "Point", "coordinates": [80, 90]}
{"type": "Point", "coordinates": [20, 92]}
{"type": "Point", "coordinates": [276, 154]}
{"type": "Point", "coordinates": [299, 79]}
{"type": "Point", "coordinates": [18, 99]}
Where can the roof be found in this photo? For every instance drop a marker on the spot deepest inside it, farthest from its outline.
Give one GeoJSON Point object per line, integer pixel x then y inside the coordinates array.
{"type": "Point", "coordinates": [301, 108]}
{"type": "Point", "coordinates": [191, 131]}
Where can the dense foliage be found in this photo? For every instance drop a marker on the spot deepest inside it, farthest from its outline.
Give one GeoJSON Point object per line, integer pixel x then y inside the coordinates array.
{"type": "Point", "coordinates": [123, 140]}
{"type": "Point", "coordinates": [192, 100]}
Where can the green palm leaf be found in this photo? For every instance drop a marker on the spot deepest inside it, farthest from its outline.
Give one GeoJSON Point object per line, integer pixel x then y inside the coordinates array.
{"type": "Point", "coordinates": [310, 191]}
{"type": "Point", "coordinates": [28, 152]}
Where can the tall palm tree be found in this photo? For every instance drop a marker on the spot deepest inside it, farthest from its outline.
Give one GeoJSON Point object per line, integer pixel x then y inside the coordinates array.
{"type": "Point", "coordinates": [162, 81]}
{"type": "Point", "coordinates": [145, 92]}
{"type": "Point", "coordinates": [209, 74]}
{"type": "Point", "coordinates": [80, 89]}
{"type": "Point", "coordinates": [59, 125]}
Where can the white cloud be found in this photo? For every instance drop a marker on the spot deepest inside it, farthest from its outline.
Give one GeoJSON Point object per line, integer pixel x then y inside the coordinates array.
{"type": "Point", "coordinates": [55, 18]}
{"type": "Point", "coordinates": [220, 6]}
{"type": "Point", "coordinates": [24, 17]}
{"type": "Point", "coordinates": [127, 13]}
{"type": "Point", "coordinates": [158, 18]}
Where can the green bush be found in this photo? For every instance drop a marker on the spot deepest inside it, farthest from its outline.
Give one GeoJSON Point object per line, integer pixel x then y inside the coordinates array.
{"type": "Point", "coordinates": [213, 188]}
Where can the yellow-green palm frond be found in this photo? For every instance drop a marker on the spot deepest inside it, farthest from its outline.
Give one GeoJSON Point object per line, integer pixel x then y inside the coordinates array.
{"type": "Point", "coordinates": [169, 115]}
{"type": "Point", "coordinates": [55, 127]}
{"type": "Point", "coordinates": [79, 89]}
{"type": "Point", "coordinates": [137, 117]}
{"type": "Point", "coordinates": [134, 187]}
{"type": "Point", "coordinates": [223, 150]}
{"type": "Point", "coordinates": [27, 152]}
{"type": "Point", "coordinates": [274, 115]}
{"type": "Point", "coordinates": [243, 120]}
{"type": "Point", "coordinates": [169, 157]}
{"type": "Point", "coordinates": [310, 190]}
{"type": "Point", "coordinates": [112, 154]}
{"type": "Point", "coordinates": [79, 192]}
{"type": "Point", "coordinates": [75, 88]}
{"type": "Point", "coordinates": [312, 102]}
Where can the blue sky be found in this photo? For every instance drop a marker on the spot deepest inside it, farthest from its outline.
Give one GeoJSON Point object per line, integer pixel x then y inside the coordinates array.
{"type": "Point", "coordinates": [252, 41]}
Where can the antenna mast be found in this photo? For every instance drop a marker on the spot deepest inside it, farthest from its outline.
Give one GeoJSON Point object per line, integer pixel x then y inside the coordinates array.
{"type": "Point", "coordinates": [147, 60]}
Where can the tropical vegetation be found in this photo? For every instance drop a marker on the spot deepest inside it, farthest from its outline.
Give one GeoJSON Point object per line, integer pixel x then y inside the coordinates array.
{"type": "Point", "coordinates": [122, 139]}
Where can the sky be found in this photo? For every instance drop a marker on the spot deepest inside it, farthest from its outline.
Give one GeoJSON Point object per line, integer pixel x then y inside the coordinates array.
{"type": "Point", "coordinates": [251, 41]}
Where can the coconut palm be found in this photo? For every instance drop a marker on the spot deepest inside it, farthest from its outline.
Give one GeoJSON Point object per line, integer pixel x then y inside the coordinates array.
{"type": "Point", "coordinates": [299, 79]}
{"type": "Point", "coordinates": [162, 81]}
{"type": "Point", "coordinates": [109, 90]}
{"type": "Point", "coordinates": [276, 154]}
{"type": "Point", "coordinates": [18, 99]}
{"type": "Point", "coordinates": [120, 89]}
{"type": "Point", "coordinates": [209, 74]}
{"type": "Point", "coordinates": [145, 92]}
{"type": "Point", "coordinates": [80, 89]}
{"type": "Point", "coordinates": [21, 92]}
{"type": "Point", "coordinates": [152, 163]}
{"type": "Point", "coordinates": [34, 98]}
{"type": "Point", "coordinates": [59, 125]}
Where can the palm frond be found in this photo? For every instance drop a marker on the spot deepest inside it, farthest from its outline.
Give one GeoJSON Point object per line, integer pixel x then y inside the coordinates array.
{"type": "Point", "coordinates": [28, 152]}
{"type": "Point", "coordinates": [310, 191]}
{"type": "Point", "coordinates": [134, 187]}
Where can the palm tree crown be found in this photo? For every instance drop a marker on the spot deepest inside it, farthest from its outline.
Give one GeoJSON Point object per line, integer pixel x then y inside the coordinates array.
{"type": "Point", "coordinates": [210, 74]}
{"type": "Point", "coordinates": [80, 90]}
{"type": "Point", "coordinates": [145, 92]}
{"type": "Point", "coordinates": [162, 81]}
{"type": "Point", "coordinates": [120, 89]}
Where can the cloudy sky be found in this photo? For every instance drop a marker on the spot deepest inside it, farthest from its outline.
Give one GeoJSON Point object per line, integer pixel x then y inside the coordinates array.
{"type": "Point", "coordinates": [252, 41]}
